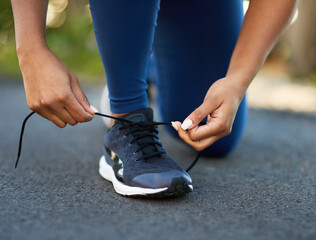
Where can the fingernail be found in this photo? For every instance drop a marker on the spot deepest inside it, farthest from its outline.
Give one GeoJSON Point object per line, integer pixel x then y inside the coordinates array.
{"type": "Point", "coordinates": [186, 124]}
{"type": "Point", "coordinates": [174, 125]}
{"type": "Point", "coordinates": [94, 108]}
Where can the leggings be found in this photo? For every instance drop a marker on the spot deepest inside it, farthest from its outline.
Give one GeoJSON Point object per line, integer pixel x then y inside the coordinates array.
{"type": "Point", "coordinates": [183, 46]}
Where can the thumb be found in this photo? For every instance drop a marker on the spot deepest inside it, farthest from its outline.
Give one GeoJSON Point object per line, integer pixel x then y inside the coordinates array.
{"type": "Point", "coordinates": [196, 117]}
{"type": "Point", "coordinates": [80, 96]}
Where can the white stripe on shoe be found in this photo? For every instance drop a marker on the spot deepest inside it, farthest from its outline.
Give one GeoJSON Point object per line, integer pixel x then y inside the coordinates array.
{"type": "Point", "coordinates": [106, 171]}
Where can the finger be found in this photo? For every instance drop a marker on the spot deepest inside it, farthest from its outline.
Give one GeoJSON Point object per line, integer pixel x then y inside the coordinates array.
{"type": "Point", "coordinates": [94, 109]}
{"type": "Point", "coordinates": [58, 108]}
{"type": "Point", "coordinates": [197, 145]}
{"type": "Point", "coordinates": [53, 118]}
{"type": "Point", "coordinates": [76, 110]}
{"type": "Point", "coordinates": [80, 96]}
{"type": "Point", "coordinates": [65, 116]}
{"type": "Point", "coordinates": [214, 127]}
{"type": "Point", "coordinates": [175, 126]}
{"type": "Point", "coordinates": [198, 115]}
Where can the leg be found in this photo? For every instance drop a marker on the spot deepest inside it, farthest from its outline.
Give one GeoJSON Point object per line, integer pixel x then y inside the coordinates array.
{"type": "Point", "coordinates": [192, 47]}
{"type": "Point", "coordinates": [124, 30]}
{"type": "Point", "coordinates": [133, 157]}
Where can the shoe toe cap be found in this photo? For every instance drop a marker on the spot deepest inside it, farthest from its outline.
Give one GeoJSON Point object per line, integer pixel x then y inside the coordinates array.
{"type": "Point", "coordinates": [161, 180]}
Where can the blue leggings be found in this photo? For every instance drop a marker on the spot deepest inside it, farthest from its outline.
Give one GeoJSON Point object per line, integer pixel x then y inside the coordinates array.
{"type": "Point", "coordinates": [182, 45]}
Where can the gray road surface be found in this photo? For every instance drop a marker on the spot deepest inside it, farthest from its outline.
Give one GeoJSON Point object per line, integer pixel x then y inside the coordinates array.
{"type": "Point", "coordinates": [264, 190]}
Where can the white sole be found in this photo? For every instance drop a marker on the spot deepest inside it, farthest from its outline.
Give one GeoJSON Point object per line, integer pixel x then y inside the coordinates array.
{"type": "Point", "coordinates": [106, 171]}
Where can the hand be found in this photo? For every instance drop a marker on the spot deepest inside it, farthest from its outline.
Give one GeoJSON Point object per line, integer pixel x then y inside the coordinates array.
{"type": "Point", "coordinates": [52, 90]}
{"type": "Point", "coordinates": [220, 105]}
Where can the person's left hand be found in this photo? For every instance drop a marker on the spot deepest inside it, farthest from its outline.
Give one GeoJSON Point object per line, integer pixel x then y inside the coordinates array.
{"type": "Point", "coordinates": [220, 105]}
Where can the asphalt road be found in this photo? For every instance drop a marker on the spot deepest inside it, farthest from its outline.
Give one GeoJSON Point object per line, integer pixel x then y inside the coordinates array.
{"type": "Point", "coordinates": [264, 190]}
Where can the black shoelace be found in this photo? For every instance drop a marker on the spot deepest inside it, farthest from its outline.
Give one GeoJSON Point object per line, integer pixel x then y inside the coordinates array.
{"type": "Point", "coordinates": [139, 130]}
{"type": "Point", "coordinates": [145, 135]}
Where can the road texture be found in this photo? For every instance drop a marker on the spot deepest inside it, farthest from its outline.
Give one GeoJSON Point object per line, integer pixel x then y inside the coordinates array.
{"type": "Point", "coordinates": [264, 190]}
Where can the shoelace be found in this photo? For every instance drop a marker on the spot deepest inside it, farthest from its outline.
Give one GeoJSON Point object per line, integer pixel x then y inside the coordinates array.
{"type": "Point", "coordinates": [150, 126]}
{"type": "Point", "coordinates": [145, 136]}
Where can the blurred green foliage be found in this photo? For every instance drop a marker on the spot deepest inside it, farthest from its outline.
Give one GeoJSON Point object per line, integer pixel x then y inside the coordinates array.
{"type": "Point", "coordinates": [8, 60]}
{"type": "Point", "coordinates": [70, 36]}
{"type": "Point", "coordinates": [73, 42]}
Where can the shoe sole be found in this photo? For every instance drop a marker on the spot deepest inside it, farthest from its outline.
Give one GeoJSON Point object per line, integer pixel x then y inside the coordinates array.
{"type": "Point", "coordinates": [177, 187]}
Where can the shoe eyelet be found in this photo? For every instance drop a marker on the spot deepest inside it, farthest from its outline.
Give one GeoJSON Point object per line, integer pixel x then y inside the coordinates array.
{"type": "Point", "coordinates": [134, 152]}
{"type": "Point", "coordinates": [124, 136]}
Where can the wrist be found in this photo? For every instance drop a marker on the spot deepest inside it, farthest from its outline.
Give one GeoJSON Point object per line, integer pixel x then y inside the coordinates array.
{"type": "Point", "coordinates": [241, 77]}
{"type": "Point", "coordinates": [27, 51]}
{"type": "Point", "coordinates": [30, 44]}
{"type": "Point", "coordinates": [235, 86]}
{"type": "Point", "coordinates": [243, 74]}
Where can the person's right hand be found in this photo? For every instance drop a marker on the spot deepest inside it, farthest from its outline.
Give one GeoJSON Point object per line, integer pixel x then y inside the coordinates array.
{"type": "Point", "coordinates": [52, 90]}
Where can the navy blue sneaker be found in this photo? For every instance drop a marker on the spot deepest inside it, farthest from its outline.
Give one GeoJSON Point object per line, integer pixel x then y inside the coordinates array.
{"type": "Point", "coordinates": [136, 163]}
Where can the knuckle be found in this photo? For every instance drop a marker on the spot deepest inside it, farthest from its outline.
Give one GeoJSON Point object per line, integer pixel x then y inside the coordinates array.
{"type": "Point", "coordinates": [72, 123]}
{"type": "Point", "coordinates": [61, 125]}
{"type": "Point", "coordinates": [228, 131]}
{"type": "Point", "coordinates": [62, 97]}
{"type": "Point", "coordinates": [198, 114]}
{"type": "Point", "coordinates": [89, 117]}
{"type": "Point", "coordinates": [222, 127]}
{"type": "Point", "coordinates": [198, 148]}
{"type": "Point", "coordinates": [81, 119]}
{"type": "Point", "coordinates": [181, 135]}
{"type": "Point", "coordinates": [33, 106]}
{"type": "Point", "coordinates": [194, 137]}
{"type": "Point", "coordinates": [36, 106]}
{"type": "Point", "coordinates": [46, 102]}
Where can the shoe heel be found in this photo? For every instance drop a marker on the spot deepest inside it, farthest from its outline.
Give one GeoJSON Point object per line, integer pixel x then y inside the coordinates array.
{"type": "Point", "coordinates": [105, 169]}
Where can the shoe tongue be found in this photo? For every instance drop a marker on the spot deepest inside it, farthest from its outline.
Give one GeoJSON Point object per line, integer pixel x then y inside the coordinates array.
{"type": "Point", "coordinates": [142, 115]}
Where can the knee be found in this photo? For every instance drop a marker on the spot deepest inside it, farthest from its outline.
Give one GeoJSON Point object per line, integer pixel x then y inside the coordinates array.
{"type": "Point", "coordinates": [221, 148]}
{"type": "Point", "coordinates": [227, 144]}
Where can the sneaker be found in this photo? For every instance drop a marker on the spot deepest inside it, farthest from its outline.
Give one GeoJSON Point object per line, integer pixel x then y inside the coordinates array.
{"type": "Point", "coordinates": [136, 163]}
